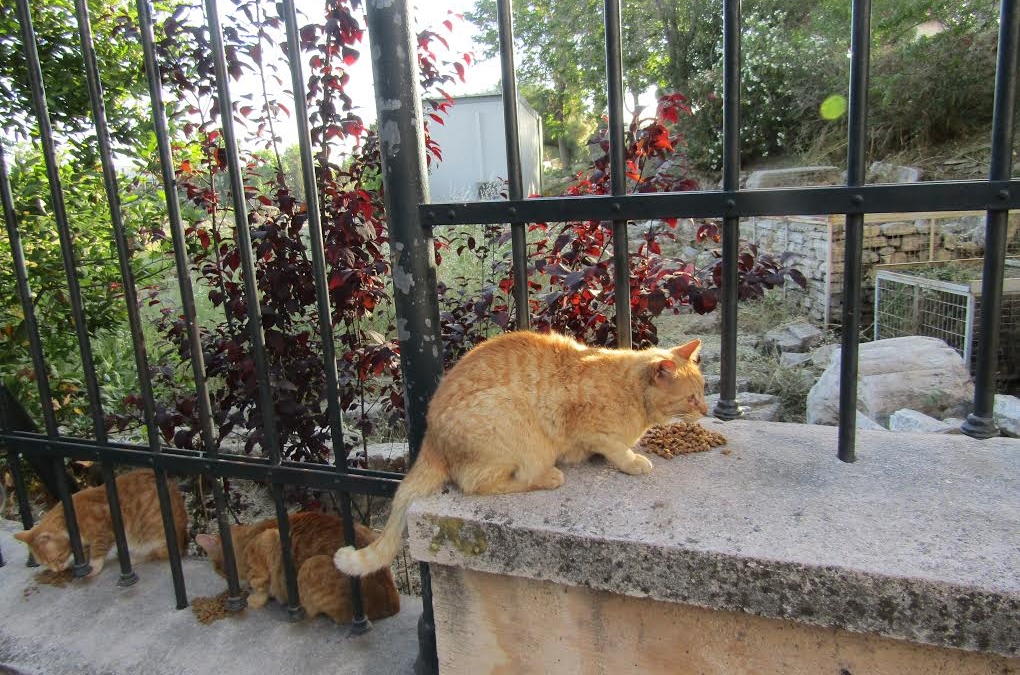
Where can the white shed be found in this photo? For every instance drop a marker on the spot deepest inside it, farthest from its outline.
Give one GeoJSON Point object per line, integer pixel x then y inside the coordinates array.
{"type": "Point", "coordinates": [474, 150]}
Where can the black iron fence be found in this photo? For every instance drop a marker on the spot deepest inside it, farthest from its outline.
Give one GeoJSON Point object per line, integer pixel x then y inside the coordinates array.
{"type": "Point", "coordinates": [411, 220]}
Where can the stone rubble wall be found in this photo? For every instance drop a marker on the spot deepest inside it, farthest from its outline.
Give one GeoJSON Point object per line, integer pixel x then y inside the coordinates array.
{"type": "Point", "coordinates": [819, 241]}
{"type": "Point", "coordinates": [820, 245]}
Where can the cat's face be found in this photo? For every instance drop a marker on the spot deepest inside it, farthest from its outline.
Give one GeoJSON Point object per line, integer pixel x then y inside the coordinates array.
{"type": "Point", "coordinates": [677, 387]}
{"type": "Point", "coordinates": [52, 549]}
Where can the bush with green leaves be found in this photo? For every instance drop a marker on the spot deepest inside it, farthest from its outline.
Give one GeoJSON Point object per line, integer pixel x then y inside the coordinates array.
{"type": "Point", "coordinates": [785, 76]}
{"type": "Point", "coordinates": [98, 274]}
{"type": "Point", "coordinates": [933, 89]}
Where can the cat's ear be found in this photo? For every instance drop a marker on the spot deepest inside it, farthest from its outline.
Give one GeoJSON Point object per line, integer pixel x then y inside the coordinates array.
{"type": "Point", "coordinates": [208, 542]}
{"type": "Point", "coordinates": [663, 369]}
{"type": "Point", "coordinates": [689, 351]}
{"type": "Point", "coordinates": [24, 536]}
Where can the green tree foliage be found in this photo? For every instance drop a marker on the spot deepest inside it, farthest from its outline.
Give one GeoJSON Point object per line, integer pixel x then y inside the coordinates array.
{"type": "Point", "coordinates": [119, 56]}
{"type": "Point", "coordinates": [924, 87]}
{"type": "Point", "coordinates": [97, 272]}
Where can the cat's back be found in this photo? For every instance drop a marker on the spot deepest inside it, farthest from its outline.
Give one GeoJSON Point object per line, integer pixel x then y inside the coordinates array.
{"type": "Point", "coordinates": [315, 533]}
{"type": "Point", "coordinates": [139, 503]}
{"type": "Point", "coordinates": [513, 360]}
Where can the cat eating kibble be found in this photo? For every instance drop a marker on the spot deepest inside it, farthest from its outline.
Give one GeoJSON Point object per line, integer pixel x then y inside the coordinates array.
{"type": "Point", "coordinates": [518, 404]}
{"type": "Point", "coordinates": [322, 589]}
{"type": "Point", "coordinates": [143, 524]}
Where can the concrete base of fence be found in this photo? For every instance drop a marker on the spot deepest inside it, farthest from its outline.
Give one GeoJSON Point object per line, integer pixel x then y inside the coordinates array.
{"type": "Point", "coordinates": [773, 558]}
{"type": "Point", "coordinates": [92, 627]}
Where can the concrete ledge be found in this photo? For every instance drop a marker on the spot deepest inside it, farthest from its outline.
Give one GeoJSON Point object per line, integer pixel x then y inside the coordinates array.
{"type": "Point", "coordinates": [917, 541]}
{"type": "Point", "coordinates": [92, 627]}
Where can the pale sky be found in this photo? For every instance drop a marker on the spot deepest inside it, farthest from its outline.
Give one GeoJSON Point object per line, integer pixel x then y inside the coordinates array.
{"type": "Point", "coordinates": [481, 75]}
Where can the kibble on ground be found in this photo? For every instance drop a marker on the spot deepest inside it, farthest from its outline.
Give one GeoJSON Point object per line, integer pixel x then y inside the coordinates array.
{"type": "Point", "coordinates": [680, 438]}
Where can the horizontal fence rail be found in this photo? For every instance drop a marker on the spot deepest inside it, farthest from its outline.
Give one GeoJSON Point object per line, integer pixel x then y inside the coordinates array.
{"type": "Point", "coordinates": [973, 195]}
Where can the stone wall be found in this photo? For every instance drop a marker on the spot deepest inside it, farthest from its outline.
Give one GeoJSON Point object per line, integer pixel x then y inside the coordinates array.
{"type": "Point", "coordinates": [888, 238]}
{"type": "Point", "coordinates": [770, 557]}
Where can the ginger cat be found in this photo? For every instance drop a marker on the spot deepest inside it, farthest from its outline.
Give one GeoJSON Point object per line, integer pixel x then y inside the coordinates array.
{"type": "Point", "coordinates": [518, 404]}
{"type": "Point", "coordinates": [321, 587]}
{"type": "Point", "coordinates": [143, 524]}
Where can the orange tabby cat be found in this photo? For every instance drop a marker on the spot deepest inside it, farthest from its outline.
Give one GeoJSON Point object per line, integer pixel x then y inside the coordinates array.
{"type": "Point", "coordinates": [321, 587]}
{"type": "Point", "coordinates": [143, 524]}
{"type": "Point", "coordinates": [517, 404]}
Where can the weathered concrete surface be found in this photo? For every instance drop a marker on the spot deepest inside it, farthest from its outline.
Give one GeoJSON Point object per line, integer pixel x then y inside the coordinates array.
{"type": "Point", "coordinates": [95, 628]}
{"type": "Point", "coordinates": [917, 540]}
{"type": "Point", "coordinates": [490, 623]}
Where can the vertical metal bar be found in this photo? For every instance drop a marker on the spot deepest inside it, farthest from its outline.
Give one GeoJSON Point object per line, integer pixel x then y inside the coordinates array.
{"type": "Point", "coordinates": [134, 323]}
{"type": "Point", "coordinates": [877, 304]}
{"type": "Point", "coordinates": [127, 576]}
{"type": "Point", "coordinates": [25, 296]}
{"type": "Point", "coordinates": [979, 423]}
{"type": "Point", "coordinates": [915, 316]}
{"type": "Point", "coordinates": [270, 436]}
{"type": "Point", "coordinates": [42, 381]}
{"type": "Point", "coordinates": [518, 233]}
{"type": "Point", "coordinates": [14, 463]}
{"type": "Point", "coordinates": [727, 407]}
{"type": "Point", "coordinates": [80, 565]}
{"type": "Point", "coordinates": [618, 171]}
{"type": "Point", "coordinates": [968, 344]}
{"type": "Point", "coordinates": [235, 601]}
{"type": "Point", "coordinates": [414, 270]}
{"type": "Point", "coordinates": [860, 54]}
{"type": "Point", "coordinates": [360, 623]}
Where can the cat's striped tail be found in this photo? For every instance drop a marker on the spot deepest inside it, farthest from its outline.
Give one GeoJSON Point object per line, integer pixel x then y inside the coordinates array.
{"type": "Point", "coordinates": [429, 473]}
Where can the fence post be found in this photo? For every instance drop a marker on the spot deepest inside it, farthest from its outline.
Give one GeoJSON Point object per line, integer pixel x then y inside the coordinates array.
{"type": "Point", "coordinates": [402, 145]}
{"type": "Point", "coordinates": [980, 423]}
{"type": "Point", "coordinates": [728, 408]}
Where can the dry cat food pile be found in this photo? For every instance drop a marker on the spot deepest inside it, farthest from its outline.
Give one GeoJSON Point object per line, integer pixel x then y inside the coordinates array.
{"type": "Point", "coordinates": [680, 438]}
{"type": "Point", "coordinates": [211, 609]}
{"type": "Point", "coordinates": [51, 578]}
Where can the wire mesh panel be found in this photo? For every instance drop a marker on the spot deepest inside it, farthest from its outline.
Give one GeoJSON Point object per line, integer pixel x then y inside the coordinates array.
{"type": "Point", "coordinates": [913, 305]}
{"type": "Point", "coordinates": [908, 306]}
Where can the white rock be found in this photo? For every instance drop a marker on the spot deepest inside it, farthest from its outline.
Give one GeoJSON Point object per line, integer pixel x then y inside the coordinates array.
{"type": "Point", "coordinates": [793, 359]}
{"type": "Point", "coordinates": [911, 420]}
{"type": "Point", "coordinates": [1006, 415]}
{"type": "Point", "coordinates": [795, 337]}
{"type": "Point", "coordinates": [921, 373]}
{"type": "Point", "coordinates": [822, 357]}
{"type": "Point", "coordinates": [868, 424]}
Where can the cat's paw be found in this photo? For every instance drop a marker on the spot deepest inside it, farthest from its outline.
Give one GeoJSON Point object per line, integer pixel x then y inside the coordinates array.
{"type": "Point", "coordinates": [639, 465]}
{"type": "Point", "coordinates": [552, 479]}
{"type": "Point", "coordinates": [257, 599]}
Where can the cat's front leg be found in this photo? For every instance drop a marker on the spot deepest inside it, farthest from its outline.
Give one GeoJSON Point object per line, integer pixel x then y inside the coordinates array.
{"type": "Point", "coordinates": [97, 555]}
{"type": "Point", "coordinates": [623, 458]}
